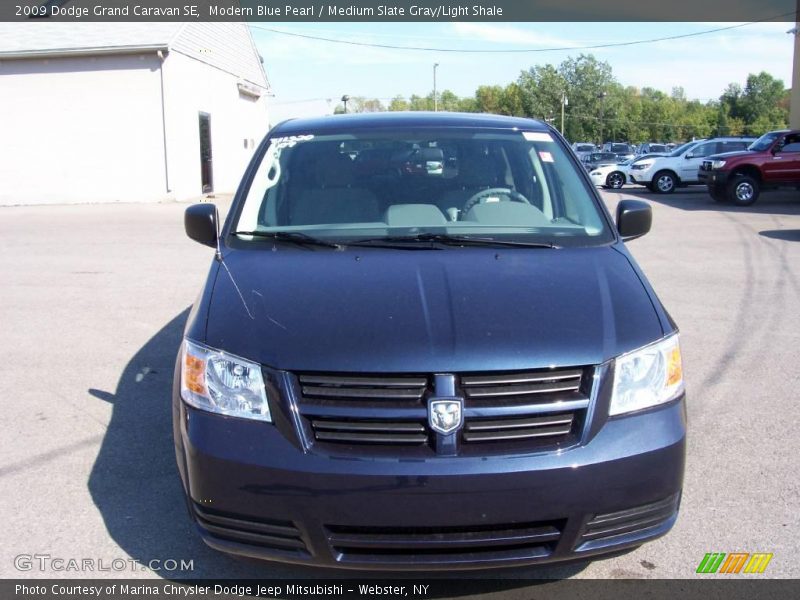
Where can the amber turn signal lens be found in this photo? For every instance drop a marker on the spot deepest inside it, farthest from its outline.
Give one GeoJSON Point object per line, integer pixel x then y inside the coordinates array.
{"type": "Point", "coordinates": [674, 366]}
{"type": "Point", "coordinates": [194, 370]}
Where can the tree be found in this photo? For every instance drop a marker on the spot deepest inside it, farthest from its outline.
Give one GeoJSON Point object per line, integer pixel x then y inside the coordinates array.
{"type": "Point", "coordinates": [489, 99]}
{"type": "Point", "coordinates": [360, 104]}
{"type": "Point", "coordinates": [542, 88]}
{"type": "Point", "coordinates": [760, 103]}
{"type": "Point", "coordinates": [398, 103]}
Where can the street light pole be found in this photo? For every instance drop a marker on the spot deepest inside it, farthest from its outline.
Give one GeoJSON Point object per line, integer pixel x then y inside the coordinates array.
{"type": "Point", "coordinates": [345, 98]}
{"type": "Point", "coordinates": [564, 102]}
{"type": "Point", "coordinates": [435, 98]}
{"type": "Point", "coordinates": [602, 96]}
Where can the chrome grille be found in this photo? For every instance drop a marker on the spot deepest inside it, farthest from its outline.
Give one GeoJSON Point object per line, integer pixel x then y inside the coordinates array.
{"type": "Point", "coordinates": [387, 414]}
{"type": "Point", "coordinates": [369, 431]}
{"type": "Point", "coordinates": [319, 388]}
{"type": "Point", "coordinates": [494, 430]}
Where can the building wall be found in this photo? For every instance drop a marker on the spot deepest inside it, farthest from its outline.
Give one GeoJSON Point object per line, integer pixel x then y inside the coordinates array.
{"type": "Point", "coordinates": [238, 123]}
{"type": "Point", "coordinates": [227, 46]}
{"type": "Point", "coordinates": [81, 130]}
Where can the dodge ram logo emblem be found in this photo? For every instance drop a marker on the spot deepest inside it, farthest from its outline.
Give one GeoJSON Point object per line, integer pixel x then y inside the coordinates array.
{"type": "Point", "coordinates": [445, 415]}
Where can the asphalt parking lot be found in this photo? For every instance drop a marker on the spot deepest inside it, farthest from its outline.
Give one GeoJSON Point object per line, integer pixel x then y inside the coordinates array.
{"type": "Point", "coordinates": [91, 312]}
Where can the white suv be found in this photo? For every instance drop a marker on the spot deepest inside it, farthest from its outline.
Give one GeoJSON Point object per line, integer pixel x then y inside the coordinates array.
{"type": "Point", "coordinates": [663, 174]}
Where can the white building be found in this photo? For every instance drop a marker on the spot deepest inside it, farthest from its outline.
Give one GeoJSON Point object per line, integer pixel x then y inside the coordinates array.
{"type": "Point", "coordinates": [127, 112]}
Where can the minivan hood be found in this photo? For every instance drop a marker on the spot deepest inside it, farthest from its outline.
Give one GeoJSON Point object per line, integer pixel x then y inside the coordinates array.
{"type": "Point", "coordinates": [449, 310]}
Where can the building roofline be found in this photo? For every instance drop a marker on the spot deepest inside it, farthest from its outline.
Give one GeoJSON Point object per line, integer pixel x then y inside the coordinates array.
{"type": "Point", "coordinates": [91, 51]}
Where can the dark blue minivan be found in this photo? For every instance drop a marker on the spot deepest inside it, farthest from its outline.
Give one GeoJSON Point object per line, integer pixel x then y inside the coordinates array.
{"type": "Point", "coordinates": [422, 344]}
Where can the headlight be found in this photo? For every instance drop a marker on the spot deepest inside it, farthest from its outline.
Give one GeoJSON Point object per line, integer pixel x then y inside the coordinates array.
{"type": "Point", "coordinates": [222, 383]}
{"type": "Point", "coordinates": [717, 164]}
{"type": "Point", "coordinates": [640, 166]}
{"type": "Point", "coordinates": [647, 377]}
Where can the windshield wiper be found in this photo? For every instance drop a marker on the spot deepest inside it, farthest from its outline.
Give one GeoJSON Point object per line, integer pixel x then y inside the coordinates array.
{"type": "Point", "coordinates": [296, 237]}
{"type": "Point", "coordinates": [446, 239]}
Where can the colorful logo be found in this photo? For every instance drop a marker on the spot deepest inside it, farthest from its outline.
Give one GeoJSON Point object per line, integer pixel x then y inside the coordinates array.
{"type": "Point", "coordinates": [735, 562]}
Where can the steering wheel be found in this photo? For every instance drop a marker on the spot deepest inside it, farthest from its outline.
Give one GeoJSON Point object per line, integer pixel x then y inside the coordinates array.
{"type": "Point", "coordinates": [497, 191]}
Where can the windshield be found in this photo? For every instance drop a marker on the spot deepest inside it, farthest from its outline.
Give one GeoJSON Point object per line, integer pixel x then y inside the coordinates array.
{"type": "Point", "coordinates": [658, 148]}
{"type": "Point", "coordinates": [681, 149]}
{"type": "Point", "coordinates": [584, 148]}
{"type": "Point", "coordinates": [764, 142]}
{"type": "Point", "coordinates": [620, 148]}
{"type": "Point", "coordinates": [368, 184]}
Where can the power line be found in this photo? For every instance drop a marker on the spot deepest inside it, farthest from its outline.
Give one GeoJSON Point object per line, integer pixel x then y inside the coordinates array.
{"type": "Point", "coordinates": [516, 50]}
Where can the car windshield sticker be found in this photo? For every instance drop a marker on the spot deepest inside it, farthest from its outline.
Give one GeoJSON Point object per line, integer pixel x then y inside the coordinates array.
{"type": "Point", "coordinates": [537, 136]}
{"type": "Point", "coordinates": [546, 156]}
{"type": "Point", "coordinates": [290, 141]}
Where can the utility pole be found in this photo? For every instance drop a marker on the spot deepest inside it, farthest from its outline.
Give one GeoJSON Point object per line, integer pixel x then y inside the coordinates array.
{"type": "Point", "coordinates": [564, 102]}
{"type": "Point", "coordinates": [435, 98]}
{"type": "Point", "coordinates": [602, 97]}
{"type": "Point", "coordinates": [345, 98]}
{"type": "Point", "coordinates": [794, 102]}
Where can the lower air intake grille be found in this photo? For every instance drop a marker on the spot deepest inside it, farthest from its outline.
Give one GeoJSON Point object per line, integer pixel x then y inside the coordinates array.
{"type": "Point", "coordinates": [276, 535]}
{"type": "Point", "coordinates": [632, 520]}
{"type": "Point", "coordinates": [421, 545]}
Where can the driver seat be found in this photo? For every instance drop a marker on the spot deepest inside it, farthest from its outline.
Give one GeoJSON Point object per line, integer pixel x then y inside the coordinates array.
{"type": "Point", "coordinates": [476, 172]}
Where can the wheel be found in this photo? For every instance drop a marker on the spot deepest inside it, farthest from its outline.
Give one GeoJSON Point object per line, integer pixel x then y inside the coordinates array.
{"type": "Point", "coordinates": [615, 180]}
{"type": "Point", "coordinates": [743, 190]}
{"type": "Point", "coordinates": [478, 197]}
{"type": "Point", "coordinates": [717, 194]}
{"type": "Point", "coordinates": [664, 182]}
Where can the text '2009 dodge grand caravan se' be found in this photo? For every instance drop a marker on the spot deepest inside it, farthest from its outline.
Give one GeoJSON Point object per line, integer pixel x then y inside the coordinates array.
{"type": "Point", "coordinates": [422, 344]}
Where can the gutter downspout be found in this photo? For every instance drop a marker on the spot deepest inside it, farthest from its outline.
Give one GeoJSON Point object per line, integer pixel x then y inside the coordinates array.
{"type": "Point", "coordinates": [163, 57]}
{"type": "Point", "coordinates": [794, 102]}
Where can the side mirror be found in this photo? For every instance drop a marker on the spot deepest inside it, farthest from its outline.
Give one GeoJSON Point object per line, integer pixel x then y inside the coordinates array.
{"type": "Point", "coordinates": [634, 219]}
{"type": "Point", "coordinates": [201, 222]}
{"type": "Point", "coordinates": [689, 155]}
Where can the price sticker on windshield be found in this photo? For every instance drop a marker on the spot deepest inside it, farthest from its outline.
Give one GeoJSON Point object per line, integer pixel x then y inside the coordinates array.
{"type": "Point", "coordinates": [537, 136]}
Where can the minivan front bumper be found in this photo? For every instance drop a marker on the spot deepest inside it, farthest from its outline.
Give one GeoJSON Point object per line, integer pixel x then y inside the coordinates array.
{"type": "Point", "coordinates": [254, 492]}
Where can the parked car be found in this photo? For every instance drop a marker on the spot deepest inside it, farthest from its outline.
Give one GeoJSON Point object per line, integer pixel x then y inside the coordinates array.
{"type": "Point", "coordinates": [611, 176]}
{"type": "Point", "coordinates": [770, 162]}
{"type": "Point", "coordinates": [390, 370]}
{"type": "Point", "coordinates": [662, 174]}
{"type": "Point", "coordinates": [597, 159]}
{"type": "Point", "coordinates": [623, 150]}
{"type": "Point", "coordinates": [652, 149]}
{"type": "Point", "coordinates": [583, 148]}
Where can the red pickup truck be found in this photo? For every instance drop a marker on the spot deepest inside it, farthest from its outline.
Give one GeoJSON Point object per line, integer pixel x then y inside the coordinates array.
{"type": "Point", "coordinates": [772, 161]}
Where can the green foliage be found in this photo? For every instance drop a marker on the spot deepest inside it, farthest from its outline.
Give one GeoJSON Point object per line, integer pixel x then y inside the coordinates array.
{"type": "Point", "coordinates": [598, 108]}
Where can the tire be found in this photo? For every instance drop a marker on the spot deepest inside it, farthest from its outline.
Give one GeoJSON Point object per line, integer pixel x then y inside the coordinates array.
{"type": "Point", "coordinates": [717, 194]}
{"type": "Point", "coordinates": [615, 180]}
{"type": "Point", "coordinates": [665, 182]}
{"type": "Point", "coordinates": [743, 190]}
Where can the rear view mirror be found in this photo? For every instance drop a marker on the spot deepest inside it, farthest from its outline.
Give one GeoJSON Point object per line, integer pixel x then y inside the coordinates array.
{"type": "Point", "coordinates": [634, 219]}
{"type": "Point", "coordinates": [201, 222]}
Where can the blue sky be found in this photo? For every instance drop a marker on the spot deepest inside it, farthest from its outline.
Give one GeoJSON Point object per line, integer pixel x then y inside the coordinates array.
{"type": "Point", "coordinates": [305, 73]}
